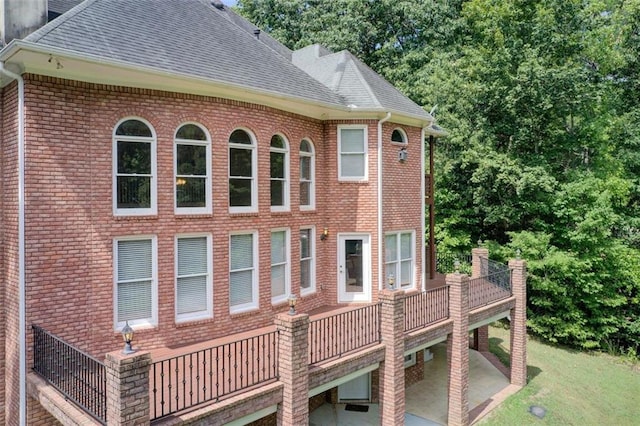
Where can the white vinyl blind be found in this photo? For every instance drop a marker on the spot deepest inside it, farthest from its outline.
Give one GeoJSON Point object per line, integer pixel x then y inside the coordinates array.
{"type": "Point", "coordinates": [306, 261]}
{"type": "Point", "coordinates": [134, 280]}
{"type": "Point", "coordinates": [193, 276]}
{"type": "Point", "coordinates": [241, 273]}
{"type": "Point", "coordinates": [278, 264]}
{"type": "Point", "coordinates": [352, 153]}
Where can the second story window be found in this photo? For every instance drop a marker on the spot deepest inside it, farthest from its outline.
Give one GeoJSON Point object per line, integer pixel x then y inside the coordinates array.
{"type": "Point", "coordinates": [279, 162]}
{"type": "Point", "coordinates": [399, 258]}
{"type": "Point", "coordinates": [193, 170]}
{"type": "Point", "coordinates": [307, 261]}
{"type": "Point", "coordinates": [280, 287]}
{"type": "Point", "coordinates": [307, 172]}
{"type": "Point", "coordinates": [242, 169]}
{"type": "Point", "coordinates": [134, 164]}
{"type": "Point", "coordinates": [352, 158]}
{"type": "Point", "coordinates": [243, 272]}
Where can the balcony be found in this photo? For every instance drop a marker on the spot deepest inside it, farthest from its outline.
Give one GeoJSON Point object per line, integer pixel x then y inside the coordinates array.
{"type": "Point", "coordinates": [244, 371]}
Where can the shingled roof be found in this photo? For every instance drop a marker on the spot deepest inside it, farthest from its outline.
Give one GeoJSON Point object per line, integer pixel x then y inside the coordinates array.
{"type": "Point", "coordinates": [206, 40]}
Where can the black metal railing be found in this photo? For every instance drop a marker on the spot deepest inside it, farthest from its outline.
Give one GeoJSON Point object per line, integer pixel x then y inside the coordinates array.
{"type": "Point", "coordinates": [339, 334]}
{"type": "Point", "coordinates": [426, 308]}
{"type": "Point", "coordinates": [490, 288]}
{"type": "Point", "coordinates": [211, 374]}
{"type": "Point", "coordinates": [446, 262]}
{"type": "Point", "coordinates": [81, 378]}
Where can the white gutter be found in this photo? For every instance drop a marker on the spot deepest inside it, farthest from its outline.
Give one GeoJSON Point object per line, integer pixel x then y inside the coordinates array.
{"type": "Point", "coordinates": [21, 273]}
{"type": "Point", "coordinates": [380, 236]}
{"type": "Point", "coordinates": [423, 189]}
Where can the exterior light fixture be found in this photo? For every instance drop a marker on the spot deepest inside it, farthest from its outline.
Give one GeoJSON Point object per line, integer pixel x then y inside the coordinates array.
{"type": "Point", "coordinates": [325, 234]}
{"type": "Point", "coordinates": [391, 281]}
{"type": "Point", "coordinates": [402, 155]}
{"type": "Point", "coordinates": [292, 304]}
{"type": "Point", "coordinates": [127, 336]}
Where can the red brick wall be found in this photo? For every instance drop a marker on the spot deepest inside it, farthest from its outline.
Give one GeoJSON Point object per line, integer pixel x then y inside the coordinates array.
{"type": "Point", "coordinates": [415, 373]}
{"type": "Point", "coordinates": [38, 416]}
{"type": "Point", "coordinates": [10, 352]}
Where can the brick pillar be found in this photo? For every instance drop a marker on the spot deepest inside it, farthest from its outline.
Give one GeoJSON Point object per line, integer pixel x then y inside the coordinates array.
{"type": "Point", "coordinates": [128, 388]}
{"type": "Point", "coordinates": [476, 264]}
{"type": "Point", "coordinates": [481, 339]}
{"type": "Point", "coordinates": [458, 350]}
{"type": "Point", "coordinates": [293, 365]}
{"type": "Point", "coordinates": [519, 322]}
{"type": "Point", "coordinates": [392, 368]}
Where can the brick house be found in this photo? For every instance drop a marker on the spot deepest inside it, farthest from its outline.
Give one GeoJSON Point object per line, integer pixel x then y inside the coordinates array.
{"type": "Point", "coordinates": [168, 166]}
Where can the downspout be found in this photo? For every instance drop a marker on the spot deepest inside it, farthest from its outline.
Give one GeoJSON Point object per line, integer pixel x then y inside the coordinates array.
{"type": "Point", "coordinates": [423, 215]}
{"type": "Point", "coordinates": [21, 254]}
{"type": "Point", "coordinates": [380, 236]}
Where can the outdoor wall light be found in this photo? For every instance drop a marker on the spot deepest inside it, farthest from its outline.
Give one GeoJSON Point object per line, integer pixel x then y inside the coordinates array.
{"type": "Point", "coordinates": [325, 234]}
{"type": "Point", "coordinates": [292, 304]}
{"type": "Point", "coordinates": [402, 155]}
{"type": "Point", "coordinates": [391, 281]}
{"type": "Point", "coordinates": [127, 336]}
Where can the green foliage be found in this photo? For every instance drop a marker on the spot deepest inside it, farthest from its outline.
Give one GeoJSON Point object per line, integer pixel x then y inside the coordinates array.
{"type": "Point", "coordinates": [541, 101]}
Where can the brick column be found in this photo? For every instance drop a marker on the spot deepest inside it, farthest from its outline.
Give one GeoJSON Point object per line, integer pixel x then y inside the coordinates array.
{"type": "Point", "coordinates": [128, 388]}
{"type": "Point", "coordinates": [476, 264]}
{"type": "Point", "coordinates": [293, 365]}
{"type": "Point", "coordinates": [458, 350]}
{"type": "Point", "coordinates": [392, 368]}
{"type": "Point", "coordinates": [481, 334]}
{"type": "Point", "coordinates": [519, 322]}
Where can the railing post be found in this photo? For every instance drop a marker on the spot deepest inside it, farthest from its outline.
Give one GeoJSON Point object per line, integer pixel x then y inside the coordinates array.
{"type": "Point", "coordinates": [458, 350]}
{"type": "Point", "coordinates": [293, 363]}
{"type": "Point", "coordinates": [519, 322]}
{"type": "Point", "coordinates": [128, 388]}
{"type": "Point", "coordinates": [392, 392]}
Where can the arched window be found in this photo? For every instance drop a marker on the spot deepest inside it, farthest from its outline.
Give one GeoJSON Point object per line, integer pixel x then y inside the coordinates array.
{"type": "Point", "coordinates": [242, 168]}
{"type": "Point", "coordinates": [192, 170]}
{"type": "Point", "coordinates": [279, 162]}
{"type": "Point", "coordinates": [134, 168]}
{"type": "Point", "coordinates": [307, 175]}
{"type": "Point", "coordinates": [399, 136]}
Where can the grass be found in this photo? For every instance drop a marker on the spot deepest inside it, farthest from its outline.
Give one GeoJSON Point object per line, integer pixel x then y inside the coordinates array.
{"type": "Point", "coordinates": [576, 388]}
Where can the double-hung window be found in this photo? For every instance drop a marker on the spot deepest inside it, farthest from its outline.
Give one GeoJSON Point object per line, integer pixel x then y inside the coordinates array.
{"type": "Point", "coordinates": [352, 158]}
{"type": "Point", "coordinates": [280, 271]}
{"type": "Point", "coordinates": [135, 276]}
{"type": "Point", "coordinates": [193, 170]}
{"type": "Point", "coordinates": [243, 272]}
{"type": "Point", "coordinates": [307, 172]}
{"type": "Point", "coordinates": [193, 278]}
{"type": "Point", "coordinates": [307, 261]}
{"type": "Point", "coordinates": [242, 173]}
{"type": "Point", "coordinates": [399, 258]}
{"type": "Point", "coordinates": [134, 168]}
{"type": "Point", "coordinates": [279, 162]}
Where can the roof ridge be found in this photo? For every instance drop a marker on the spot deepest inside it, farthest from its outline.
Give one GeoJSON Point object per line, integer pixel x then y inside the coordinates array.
{"type": "Point", "coordinates": [52, 25]}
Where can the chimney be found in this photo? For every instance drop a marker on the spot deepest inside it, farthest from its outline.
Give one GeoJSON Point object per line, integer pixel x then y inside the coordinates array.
{"type": "Point", "coordinates": [19, 18]}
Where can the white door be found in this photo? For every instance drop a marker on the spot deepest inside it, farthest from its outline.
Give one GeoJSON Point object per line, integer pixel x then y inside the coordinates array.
{"type": "Point", "coordinates": [356, 389]}
{"type": "Point", "coordinates": [354, 268]}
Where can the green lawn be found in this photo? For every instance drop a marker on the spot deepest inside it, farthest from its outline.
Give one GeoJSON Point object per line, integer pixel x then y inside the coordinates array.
{"type": "Point", "coordinates": [576, 388]}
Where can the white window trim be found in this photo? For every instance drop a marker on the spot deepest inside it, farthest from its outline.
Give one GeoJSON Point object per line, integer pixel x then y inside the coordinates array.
{"type": "Point", "coordinates": [153, 210]}
{"type": "Point", "coordinates": [286, 183]}
{"type": "Point", "coordinates": [411, 361]}
{"type": "Point", "coordinates": [253, 208]}
{"type": "Point", "coordinates": [399, 260]}
{"type": "Point", "coordinates": [254, 304]}
{"type": "Point", "coordinates": [287, 267]}
{"type": "Point", "coordinates": [147, 322]}
{"type": "Point", "coordinates": [312, 174]}
{"type": "Point", "coordinates": [364, 178]}
{"type": "Point", "coordinates": [195, 316]}
{"type": "Point", "coordinates": [312, 266]}
{"type": "Point", "coordinates": [404, 137]}
{"type": "Point", "coordinates": [207, 144]}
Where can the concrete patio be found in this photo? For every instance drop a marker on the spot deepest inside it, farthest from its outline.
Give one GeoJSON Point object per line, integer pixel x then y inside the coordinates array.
{"type": "Point", "coordinates": [488, 386]}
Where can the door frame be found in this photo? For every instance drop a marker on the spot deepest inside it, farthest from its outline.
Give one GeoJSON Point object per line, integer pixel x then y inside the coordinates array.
{"type": "Point", "coordinates": [342, 294]}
